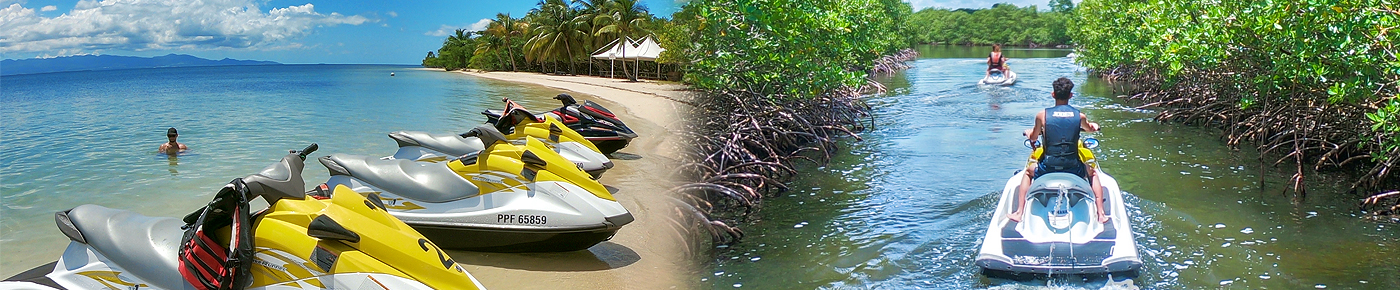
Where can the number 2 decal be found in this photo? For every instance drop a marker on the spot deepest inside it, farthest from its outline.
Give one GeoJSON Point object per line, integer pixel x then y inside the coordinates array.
{"type": "Point", "coordinates": [446, 261]}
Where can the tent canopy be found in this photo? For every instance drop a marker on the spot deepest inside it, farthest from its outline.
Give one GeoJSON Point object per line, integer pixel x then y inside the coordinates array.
{"type": "Point", "coordinates": [626, 48]}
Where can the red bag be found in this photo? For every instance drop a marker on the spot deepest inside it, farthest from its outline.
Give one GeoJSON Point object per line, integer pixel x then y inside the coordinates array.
{"type": "Point", "coordinates": [204, 262]}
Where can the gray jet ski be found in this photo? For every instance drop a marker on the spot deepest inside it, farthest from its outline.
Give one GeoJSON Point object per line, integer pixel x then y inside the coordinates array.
{"type": "Point", "coordinates": [1059, 234]}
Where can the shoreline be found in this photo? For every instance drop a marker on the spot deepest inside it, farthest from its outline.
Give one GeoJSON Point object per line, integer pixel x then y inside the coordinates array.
{"type": "Point", "coordinates": [656, 102]}
{"type": "Point", "coordinates": [645, 254]}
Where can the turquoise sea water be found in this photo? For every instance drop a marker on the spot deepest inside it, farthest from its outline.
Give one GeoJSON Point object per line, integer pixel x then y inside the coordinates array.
{"type": "Point", "coordinates": [90, 137]}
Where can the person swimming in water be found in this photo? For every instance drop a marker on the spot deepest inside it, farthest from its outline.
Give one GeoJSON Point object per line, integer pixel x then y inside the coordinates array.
{"type": "Point", "coordinates": [172, 147]}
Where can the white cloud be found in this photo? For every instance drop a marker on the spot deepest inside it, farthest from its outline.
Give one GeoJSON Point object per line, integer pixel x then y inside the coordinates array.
{"type": "Point", "coordinates": [446, 30]}
{"type": "Point", "coordinates": [161, 24]}
{"type": "Point", "coordinates": [48, 8]}
{"type": "Point", "coordinates": [393, 14]}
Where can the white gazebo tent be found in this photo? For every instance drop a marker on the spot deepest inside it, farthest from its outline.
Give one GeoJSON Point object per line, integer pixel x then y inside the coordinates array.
{"type": "Point", "coordinates": [615, 50]}
{"type": "Point", "coordinates": [648, 50]}
{"type": "Point", "coordinates": [627, 49]}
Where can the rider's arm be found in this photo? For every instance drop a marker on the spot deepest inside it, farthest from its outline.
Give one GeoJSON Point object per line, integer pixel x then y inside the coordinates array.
{"type": "Point", "coordinates": [1039, 127]}
{"type": "Point", "coordinates": [1086, 125]}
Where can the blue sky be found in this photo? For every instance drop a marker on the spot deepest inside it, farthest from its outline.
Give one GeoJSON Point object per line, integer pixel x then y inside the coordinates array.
{"type": "Point", "coordinates": [296, 31]}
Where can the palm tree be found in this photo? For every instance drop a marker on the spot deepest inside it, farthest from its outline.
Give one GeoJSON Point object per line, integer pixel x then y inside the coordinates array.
{"type": "Point", "coordinates": [487, 44]}
{"type": "Point", "coordinates": [558, 33]}
{"type": "Point", "coordinates": [458, 42]}
{"type": "Point", "coordinates": [505, 28]}
{"type": "Point", "coordinates": [623, 18]}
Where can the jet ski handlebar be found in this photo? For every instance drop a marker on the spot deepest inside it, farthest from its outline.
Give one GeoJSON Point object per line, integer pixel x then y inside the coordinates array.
{"type": "Point", "coordinates": [306, 151]}
{"type": "Point", "coordinates": [1089, 143]}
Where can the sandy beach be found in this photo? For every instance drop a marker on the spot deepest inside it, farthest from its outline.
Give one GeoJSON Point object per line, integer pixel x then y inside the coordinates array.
{"type": "Point", "coordinates": [645, 254]}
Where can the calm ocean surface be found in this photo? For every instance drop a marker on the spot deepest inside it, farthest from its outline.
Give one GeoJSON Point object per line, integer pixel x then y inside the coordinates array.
{"type": "Point", "coordinates": [90, 137]}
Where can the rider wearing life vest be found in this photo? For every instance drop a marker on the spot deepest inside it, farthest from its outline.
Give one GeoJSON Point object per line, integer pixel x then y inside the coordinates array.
{"type": "Point", "coordinates": [996, 61]}
{"type": "Point", "coordinates": [1060, 151]}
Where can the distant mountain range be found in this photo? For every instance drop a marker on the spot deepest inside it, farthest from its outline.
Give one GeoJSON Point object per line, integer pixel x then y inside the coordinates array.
{"type": "Point", "coordinates": [111, 62]}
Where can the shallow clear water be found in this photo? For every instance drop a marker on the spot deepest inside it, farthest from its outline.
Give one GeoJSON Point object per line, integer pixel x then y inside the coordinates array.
{"type": "Point", "coordinates": [90, 137]}
{"type": "Point", "coordinates": [907, 207]}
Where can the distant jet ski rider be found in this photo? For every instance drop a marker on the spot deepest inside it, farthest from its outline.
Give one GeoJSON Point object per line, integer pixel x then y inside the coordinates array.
{"type": "Point", "coordinates": [996, 60]}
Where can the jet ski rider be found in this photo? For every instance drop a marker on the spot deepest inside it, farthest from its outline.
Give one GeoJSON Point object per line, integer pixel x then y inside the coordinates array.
{"type": "Point", "coordinates": [996, 61]}
{"type": "Point", "coordinates": [1060, 127]}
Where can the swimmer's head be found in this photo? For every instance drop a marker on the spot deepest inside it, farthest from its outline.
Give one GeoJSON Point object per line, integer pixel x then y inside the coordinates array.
{"type": "Point", "coordinates": [171, 134]}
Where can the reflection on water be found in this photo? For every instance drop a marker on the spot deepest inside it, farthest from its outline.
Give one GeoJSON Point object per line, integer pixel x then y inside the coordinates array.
{"type": "Point", "coordinates": [907, 208]}
{"type": "Point", "coordinates": [174, 163]}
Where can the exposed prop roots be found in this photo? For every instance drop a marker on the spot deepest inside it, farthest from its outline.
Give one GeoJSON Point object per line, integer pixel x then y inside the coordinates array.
{"type": "Point", "coordinates": [746, 146]}
{"type": "Point", "coordinates": [895, 62]}
{"type": "Point", "coordinates": [1302, 129]}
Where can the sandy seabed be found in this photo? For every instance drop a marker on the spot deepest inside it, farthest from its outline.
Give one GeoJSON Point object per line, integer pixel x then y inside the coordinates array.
{"type": "Point", "coordinates": [646, 254]}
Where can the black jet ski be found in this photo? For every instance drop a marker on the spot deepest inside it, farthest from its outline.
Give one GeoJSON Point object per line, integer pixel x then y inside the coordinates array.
{"type": "Point", "coordinates": [593, 121]}
{"type": "Point", "coordinates": [1060, 234]}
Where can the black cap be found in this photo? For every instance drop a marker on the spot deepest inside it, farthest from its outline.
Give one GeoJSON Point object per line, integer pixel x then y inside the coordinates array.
{"type": "Point", "coordinates": [171, 132]}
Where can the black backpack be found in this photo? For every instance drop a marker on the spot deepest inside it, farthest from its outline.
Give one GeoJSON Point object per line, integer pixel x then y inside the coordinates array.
{"type": "Point", "coordinates": [204, 262]}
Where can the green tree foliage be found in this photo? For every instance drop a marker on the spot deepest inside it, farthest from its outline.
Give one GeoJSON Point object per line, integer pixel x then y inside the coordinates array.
{"type": "Point", "coordinates": [786, 48]}
{"type": "Point", "coordinates": [1338, 51]}
{"type": "Point", "coordinates": [505, 33]}
{"type": "Point", "coordinates": [1001, 24]}
{"type": "Point", "coordinates": [561, 33]}
{"type": "Point", "coordinates": [557, 34]}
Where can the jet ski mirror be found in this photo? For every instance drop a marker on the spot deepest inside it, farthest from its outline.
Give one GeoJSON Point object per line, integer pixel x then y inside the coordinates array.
{"type": "Point", "coordinates": [1091, 143]}
{"type": "Point", "coordinates": [323, 227]}
{"type": "Point", "coordinates": [1032, 144]}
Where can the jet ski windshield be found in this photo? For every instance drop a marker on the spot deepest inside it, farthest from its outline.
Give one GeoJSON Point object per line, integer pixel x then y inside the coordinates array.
{"type": "Point", "coordinates": [514, 114]}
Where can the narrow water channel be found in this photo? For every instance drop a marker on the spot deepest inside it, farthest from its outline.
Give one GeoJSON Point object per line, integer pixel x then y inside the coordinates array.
{"type": "Point", "coordinates": [907, 207]}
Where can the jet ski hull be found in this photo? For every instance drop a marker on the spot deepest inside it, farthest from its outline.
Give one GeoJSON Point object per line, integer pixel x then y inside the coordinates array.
{"type": "Point", "coordinates": [1085, 247]}
{"type": "Point", "coordinates": [608, 145]}
{"type": "Point", "coordinates": [545, 217]}
{"type": "Point", "coordinates": [519, 240]}
{"type": "Point", "coordinates": [1006, 79]}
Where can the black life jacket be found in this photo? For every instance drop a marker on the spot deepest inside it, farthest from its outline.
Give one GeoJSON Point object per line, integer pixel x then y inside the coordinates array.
{"type": "Point", "coordinates": [1061, 137]}
{"type": "Point", "coordinates": [995, 61]}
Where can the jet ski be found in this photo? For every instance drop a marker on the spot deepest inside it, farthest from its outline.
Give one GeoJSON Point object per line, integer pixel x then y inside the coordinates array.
{"type": "Point", "coordinates": [422, 146]}
{"type": "Point", "coordinates": [301, 241]}
{"type": "Point", "coordinates": [997, 77]}
{"type": "Point", "coordinates": [1060, 233]}
{"type": "Point", "coordinates": [593, 121]}
{"type": "Point", "coordinates": [506, 198]}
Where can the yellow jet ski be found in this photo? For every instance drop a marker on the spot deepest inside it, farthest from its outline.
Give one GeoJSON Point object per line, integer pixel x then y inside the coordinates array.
{"type": "Point", "coordinates": [301, 241]}
{"type": "Point", "coordinates": [518, 125]}
{"type": "Point", "coordinates": [506, 198]}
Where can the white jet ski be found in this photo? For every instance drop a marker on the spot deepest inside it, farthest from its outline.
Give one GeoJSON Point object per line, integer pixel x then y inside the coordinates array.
{"type": "Point", "coordinates": [1060, 234]}
{"type": "Point", "coordinates": [997, 77]}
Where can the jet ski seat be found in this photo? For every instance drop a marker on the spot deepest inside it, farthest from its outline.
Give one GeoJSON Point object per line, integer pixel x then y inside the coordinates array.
{"type": "Point", "coordinates": [1107, 210]}
{"type": "Point", "coordinates": [420, 181]}
{"type": "Point", "coordinates": [1051, 183]}
{"type": "Point", "coordinates": [147, 247]}
{"type": "Point", "coordinates": [452, 145]}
